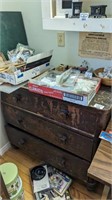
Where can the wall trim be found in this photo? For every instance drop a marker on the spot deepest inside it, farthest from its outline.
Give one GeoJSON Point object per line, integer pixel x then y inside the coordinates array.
{"type": "Point", "coordinates": [5, 148]}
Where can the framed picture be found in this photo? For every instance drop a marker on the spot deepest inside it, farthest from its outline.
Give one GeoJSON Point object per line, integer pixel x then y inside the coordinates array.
{"type": "Point", "coordinates": [2, 57]}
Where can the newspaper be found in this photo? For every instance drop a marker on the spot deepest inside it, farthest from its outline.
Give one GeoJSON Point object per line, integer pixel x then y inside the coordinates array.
{"type": "Point", "coordinates": [95, 45]}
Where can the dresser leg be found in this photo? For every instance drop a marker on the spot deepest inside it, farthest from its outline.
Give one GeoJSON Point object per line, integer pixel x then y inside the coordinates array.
{"type": "Point", "coordinates": [91, 184]}
{"type": "Point", "coordinates": [105, 192]}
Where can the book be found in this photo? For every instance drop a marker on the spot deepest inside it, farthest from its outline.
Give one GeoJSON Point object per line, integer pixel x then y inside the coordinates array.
{"type": "Point", "coordinates": [49, 183]}
{"type": "Point", "coordinates": [59, 181]}
{"type": "Point", "coordinates": [106, 136]}
{"type": "Point", "coordinates": [40, 178]}
{"type": "Point", "coordinates": [51, 195]}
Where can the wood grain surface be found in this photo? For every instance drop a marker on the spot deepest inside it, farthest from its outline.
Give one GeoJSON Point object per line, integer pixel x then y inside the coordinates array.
{"type": "Point", "coordinates": [101, 166]}
{"type": "Point", "coordinates": [24, 163]}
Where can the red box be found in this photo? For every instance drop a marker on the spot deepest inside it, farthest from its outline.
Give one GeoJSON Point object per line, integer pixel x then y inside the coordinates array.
{"type": "Point", "coordinates": [81, 99]}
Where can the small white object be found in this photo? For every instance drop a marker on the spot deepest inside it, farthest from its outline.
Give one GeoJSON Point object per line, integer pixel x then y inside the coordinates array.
{"type": "Point", "coordinates": [43, 183]}
{"type": "Point", "coordinates": [84, 16]}
{"type": "Point", "coordinates": [88, 75]}
{"type": "Point", "coordinates": [61, 39]}
{"type": "Point", "coordinates": [99, 106]}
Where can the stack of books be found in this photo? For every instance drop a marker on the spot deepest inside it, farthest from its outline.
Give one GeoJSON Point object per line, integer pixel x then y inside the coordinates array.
{"type": "Point", "coordinates": [49, 183]}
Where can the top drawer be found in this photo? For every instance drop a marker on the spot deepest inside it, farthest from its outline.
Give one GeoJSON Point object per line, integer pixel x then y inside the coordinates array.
{"type": "Point", "coordinates": [88, 119]}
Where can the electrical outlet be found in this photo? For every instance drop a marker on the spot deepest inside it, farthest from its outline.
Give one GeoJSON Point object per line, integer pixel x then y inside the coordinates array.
{"type": "Point", "coordinates": [61, 39]}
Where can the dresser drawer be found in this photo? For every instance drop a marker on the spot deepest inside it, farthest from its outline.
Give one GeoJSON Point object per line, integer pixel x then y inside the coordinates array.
{"type": "Point", "coordinates": [88, 119]}
{"type": "Point", "coordinates": [52, 155]}
{"type": "Point", "coordinates": [71, 141]}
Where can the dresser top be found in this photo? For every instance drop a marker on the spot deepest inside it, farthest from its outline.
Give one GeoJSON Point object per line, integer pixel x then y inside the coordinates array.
{"type": "Point", "coordinates": [102, 100]}
{"type": "Point", "coordinates": [101, 166]}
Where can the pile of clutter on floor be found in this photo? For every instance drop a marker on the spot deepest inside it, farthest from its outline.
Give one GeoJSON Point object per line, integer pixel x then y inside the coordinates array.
{"type": "Point", "coordinates": [49, 183]}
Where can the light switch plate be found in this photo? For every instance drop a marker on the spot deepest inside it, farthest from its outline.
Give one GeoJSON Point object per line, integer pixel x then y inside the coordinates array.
{"type": "Point", "coordinates": [61, 39]}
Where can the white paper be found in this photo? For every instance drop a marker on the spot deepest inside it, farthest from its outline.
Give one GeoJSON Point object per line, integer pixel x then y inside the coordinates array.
{"type": "Point", "coordinates": [99, 106]}
{"type": "Point", "coordinates": [39, 56]}
{"type": "Point", "coordinates": [8, 88]}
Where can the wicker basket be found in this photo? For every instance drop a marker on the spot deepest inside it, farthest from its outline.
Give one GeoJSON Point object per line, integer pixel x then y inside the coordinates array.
{"type": "Point", "coordinates": [104, 81]}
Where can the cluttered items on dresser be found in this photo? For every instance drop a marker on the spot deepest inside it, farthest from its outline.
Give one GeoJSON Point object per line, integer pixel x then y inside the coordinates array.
{"type": "Point", "coordinates": [49, 183]}
{"type": "Point", "coordinates": [69, 85]}
{"type": "Point", "coordinates": [23, 64]}
{"type": "Point", "coordinates": [74, 8]}
{"type": "Point", "coordinates": [105, 74]}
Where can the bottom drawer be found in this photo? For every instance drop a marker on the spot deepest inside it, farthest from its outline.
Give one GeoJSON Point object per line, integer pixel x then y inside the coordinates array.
{"type": "Point", "coordinates": [57, 157]}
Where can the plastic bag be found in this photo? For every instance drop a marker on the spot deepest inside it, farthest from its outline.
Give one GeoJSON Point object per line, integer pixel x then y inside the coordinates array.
{"type": "Point", "coordinates": [20, 54]}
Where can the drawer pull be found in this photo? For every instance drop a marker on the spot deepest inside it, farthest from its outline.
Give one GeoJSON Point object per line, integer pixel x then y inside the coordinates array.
{"type": "Point", "coordinates": [18, 97]}
{"type": "Point", "coordinates": [63, 138]}
{"type": "Point", "coordinates": [21, 142]}
{"type": "Point", "coordinates": [65, 112]}
{"type": "Point", "coordinates": [62, 163]}
{"type": "Point", "coordinates": [20, 121]}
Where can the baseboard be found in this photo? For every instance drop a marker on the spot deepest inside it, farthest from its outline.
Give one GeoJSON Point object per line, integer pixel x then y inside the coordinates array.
{"type": "Point", "coordinates": [5, 148]}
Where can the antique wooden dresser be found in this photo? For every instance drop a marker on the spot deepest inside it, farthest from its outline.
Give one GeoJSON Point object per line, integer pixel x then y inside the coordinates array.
{"type": "Point", "coordinates": [60, 133]}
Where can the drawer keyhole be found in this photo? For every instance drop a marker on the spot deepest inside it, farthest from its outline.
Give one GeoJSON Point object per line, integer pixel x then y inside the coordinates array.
{"type": "Point", "coordinates": [65, 112]}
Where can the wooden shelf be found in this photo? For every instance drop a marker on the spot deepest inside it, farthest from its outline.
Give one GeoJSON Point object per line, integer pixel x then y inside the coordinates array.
{"type": "Point", "coordinates": [90, 25]}
{"type": "Point", "coordinates": [72, 24]}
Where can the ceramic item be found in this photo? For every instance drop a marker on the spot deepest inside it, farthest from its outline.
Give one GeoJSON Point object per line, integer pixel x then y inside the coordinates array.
{"type": "Point", "coordinates": [20, 193]}
{"type": "Point", "coordinates": [9, 173]}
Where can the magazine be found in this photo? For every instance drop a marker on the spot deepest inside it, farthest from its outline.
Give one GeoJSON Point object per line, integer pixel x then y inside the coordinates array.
{"type": "Point", "coordinates": [51, 195]}
{"type": "Point", "coordinates": [106, 136]}
{"type": "Point", "coordinates": [49, 183]}
{"type": "Point", "coordinates": [40, 178]}
{"type": "Point", "coordinates": [58, 180]}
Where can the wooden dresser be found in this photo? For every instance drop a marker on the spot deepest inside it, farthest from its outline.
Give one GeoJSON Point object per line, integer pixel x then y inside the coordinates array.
{"type": "Point", "coordinates": [60, 133]}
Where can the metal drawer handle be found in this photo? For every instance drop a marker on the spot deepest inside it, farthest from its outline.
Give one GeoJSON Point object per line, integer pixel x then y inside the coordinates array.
{"type": "Point", "coordinates": [20, 121]}
{"type": "Point", "coordinates": [63, 138]}
{"type": "Point", "coordinates": [62, 163]}
{"type": "Point", "coordinates": [21, 142]}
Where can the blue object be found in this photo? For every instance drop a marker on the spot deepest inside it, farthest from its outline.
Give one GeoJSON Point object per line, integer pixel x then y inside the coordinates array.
{"type": "Point", "coordinates": [106, 136]}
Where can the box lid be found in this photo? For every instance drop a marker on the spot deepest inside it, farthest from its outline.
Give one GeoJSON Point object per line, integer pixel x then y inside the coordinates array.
{"type": "Point", "coordinates": [9, 172]}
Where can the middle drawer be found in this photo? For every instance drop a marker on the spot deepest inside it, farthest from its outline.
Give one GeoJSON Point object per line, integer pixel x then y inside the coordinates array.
{"type": "Point", "coordinates": [64, 138]}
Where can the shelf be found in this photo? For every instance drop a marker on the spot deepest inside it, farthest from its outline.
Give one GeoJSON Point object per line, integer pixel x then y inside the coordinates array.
{"type": "Point", "coordinates": [90, 25]}
{"type": "Point", "coordinates": [72, 24]}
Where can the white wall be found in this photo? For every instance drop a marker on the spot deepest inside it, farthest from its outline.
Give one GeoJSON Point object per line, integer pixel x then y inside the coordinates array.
{"type": "Point", "coordinates": [42, 40]}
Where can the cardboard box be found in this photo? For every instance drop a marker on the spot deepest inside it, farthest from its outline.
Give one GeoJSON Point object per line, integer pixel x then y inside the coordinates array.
{"type": "Point", "coordinates": [35, 65]}
{"type": "Point", "coordinates": [81, 99]}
